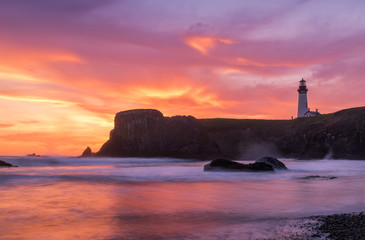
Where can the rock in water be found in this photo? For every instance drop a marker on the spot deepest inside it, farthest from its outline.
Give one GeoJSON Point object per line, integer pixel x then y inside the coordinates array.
{"type": "Point", "coordinates": [318, 177]}
{"type": "Point", "coordinates": [87, 153]}
{"type": "Point", "coordinates": [147, 133]}
{"type": "Point", "coordinates": [220, 165]}
{"type": "Point", "coordinates": [274, 162]}
{"type": "Point", "coordinates": [5, 164]}
{"type": "Point", "coordinates": [223, 164]}
{"type": "Point", "coordinates": [33, 155]}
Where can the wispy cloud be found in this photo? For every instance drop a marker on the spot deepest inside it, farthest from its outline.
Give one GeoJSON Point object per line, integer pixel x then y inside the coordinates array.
{"type": "Point", "coordinates": [74, 64]}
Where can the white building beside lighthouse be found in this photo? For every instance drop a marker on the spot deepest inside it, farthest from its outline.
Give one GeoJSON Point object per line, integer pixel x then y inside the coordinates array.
{"type": "Point", "coordinates": [303, 109]}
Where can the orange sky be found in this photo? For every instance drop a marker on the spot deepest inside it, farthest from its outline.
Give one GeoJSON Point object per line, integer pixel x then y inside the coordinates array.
{"type": "Point", "coordinates": [66, 67]}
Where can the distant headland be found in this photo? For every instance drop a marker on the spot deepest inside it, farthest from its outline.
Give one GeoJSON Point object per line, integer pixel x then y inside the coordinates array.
{"type": "Point", "coordinates": [147, 133]}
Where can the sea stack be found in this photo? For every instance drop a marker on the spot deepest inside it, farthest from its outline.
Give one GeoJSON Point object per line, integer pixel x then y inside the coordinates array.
{"type": "Point", "coordinates": [147, 133]}
{"type": "Point", "coordinates": [5, 164]}
{"type": "Point", "coordinates": [87, 153]}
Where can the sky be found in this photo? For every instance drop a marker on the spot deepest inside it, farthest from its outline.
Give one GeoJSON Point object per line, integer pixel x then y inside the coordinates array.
{"type": "Point", "coordinates": [67, 67]}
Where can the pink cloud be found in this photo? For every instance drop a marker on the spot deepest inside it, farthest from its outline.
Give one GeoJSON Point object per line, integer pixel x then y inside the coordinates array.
{"type": "Point", "coordinates": [6, 125]}
{"type": "Point", "coordinates": [240, 59]}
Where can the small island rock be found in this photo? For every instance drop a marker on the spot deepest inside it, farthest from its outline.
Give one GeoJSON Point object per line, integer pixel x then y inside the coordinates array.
{"type": "Point", "coordinates": [219, 165]}
{"type": "Point", "coordinates": [5, 164]}
{"type": "Point", "coordinates": [274, 162]}
{"type": "Point", "coordinates": [87, 153]}
{"type": "Point", "coordinates": [33, 155]}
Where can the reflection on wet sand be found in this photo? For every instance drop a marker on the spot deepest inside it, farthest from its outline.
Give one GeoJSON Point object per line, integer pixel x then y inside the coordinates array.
{"type": "Point", "coordinates": [104, 202]}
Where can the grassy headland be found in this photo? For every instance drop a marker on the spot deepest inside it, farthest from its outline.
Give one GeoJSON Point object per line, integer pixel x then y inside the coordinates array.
{"type": "Point", "coordinates": [336, 135]}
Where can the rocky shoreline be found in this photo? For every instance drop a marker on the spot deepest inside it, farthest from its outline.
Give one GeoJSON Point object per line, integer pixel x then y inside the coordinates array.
{"type": "Point", "coordinates": [332, 227]}
{"type": "Point", "coordinates": [342, 226]}
{"type": "Point", "coordinates": [348, 226]}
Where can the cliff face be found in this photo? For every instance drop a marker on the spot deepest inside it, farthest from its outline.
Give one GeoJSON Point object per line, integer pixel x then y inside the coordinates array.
{"type": "Point", "coordinates": [336, 135]}
{"type": "Point", "coordinates": [147, 133]}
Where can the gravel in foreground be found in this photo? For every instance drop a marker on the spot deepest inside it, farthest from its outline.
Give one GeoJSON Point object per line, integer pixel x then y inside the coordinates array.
{"type": "Point", "coordinates": [341, 226]}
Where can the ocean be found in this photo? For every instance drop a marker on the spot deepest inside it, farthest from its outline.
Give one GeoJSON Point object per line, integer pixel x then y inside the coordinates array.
{"type": "Point", "coordinates": [140, 198]}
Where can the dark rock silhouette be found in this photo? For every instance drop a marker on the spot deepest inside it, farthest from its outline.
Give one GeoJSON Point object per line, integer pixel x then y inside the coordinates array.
{"type": "Point", "coordinates": [319, 177]}
{"type": "Point", "coordinates": [5, 164]}
{"type": "Point", "coordinates": [87, 153]}
{"type": "Point", "coordinates": [220, 165]}
{"type": "Point", "coordinates": [33, 155]}
{"type": "Point", "coordinates": [147, 133]}
{"type": "Point", "coordinates": [274, 162]}
{"type": "Point", "coordinates": [339, 135]}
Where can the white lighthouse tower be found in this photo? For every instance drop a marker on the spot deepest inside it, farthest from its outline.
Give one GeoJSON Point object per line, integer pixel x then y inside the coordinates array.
{"type": "Point", "coordinates": [302, 100]}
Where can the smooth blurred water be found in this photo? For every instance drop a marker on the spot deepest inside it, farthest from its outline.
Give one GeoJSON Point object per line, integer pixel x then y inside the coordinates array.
{"type": "Point", "coordinates": [138, 198]}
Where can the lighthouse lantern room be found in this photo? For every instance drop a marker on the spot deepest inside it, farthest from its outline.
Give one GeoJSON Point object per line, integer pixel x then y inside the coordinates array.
{"type": "Point", "coordinates": [302, 100]}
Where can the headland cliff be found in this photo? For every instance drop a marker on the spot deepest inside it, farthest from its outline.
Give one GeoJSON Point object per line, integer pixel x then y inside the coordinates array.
{"type": "Point", "coordinates": [147, 133]}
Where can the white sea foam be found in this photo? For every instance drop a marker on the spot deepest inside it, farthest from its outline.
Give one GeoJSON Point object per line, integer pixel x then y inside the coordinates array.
{"type": "Point", "coordinates": [120, 197]}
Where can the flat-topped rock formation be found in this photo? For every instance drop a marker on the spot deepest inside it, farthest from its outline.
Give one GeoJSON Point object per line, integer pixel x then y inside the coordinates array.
{"type": "Point", "coordinates": [147, 133]}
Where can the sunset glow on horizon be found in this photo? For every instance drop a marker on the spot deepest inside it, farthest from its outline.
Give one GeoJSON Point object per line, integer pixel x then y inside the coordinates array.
{"type": "Point", "coordinates": [67, 67]}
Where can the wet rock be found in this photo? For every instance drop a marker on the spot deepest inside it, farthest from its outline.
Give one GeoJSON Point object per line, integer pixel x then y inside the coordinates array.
{"type": "Point", "coordinates": [220, 165]}
{"type": "Point", "coordinates": [274, 162]}
{"type": "Point", "coordinates": [343, 226]}
{"type": "Point", "coordinates": [5, 164]}
{"type": "Point", "coordinates": [319, 177]}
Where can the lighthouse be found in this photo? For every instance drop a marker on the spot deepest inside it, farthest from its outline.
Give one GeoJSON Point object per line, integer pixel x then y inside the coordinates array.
{"type": "Point", "coordinates": [302, 100]}
{"type": "Point", "coordinates": [303, 109]}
